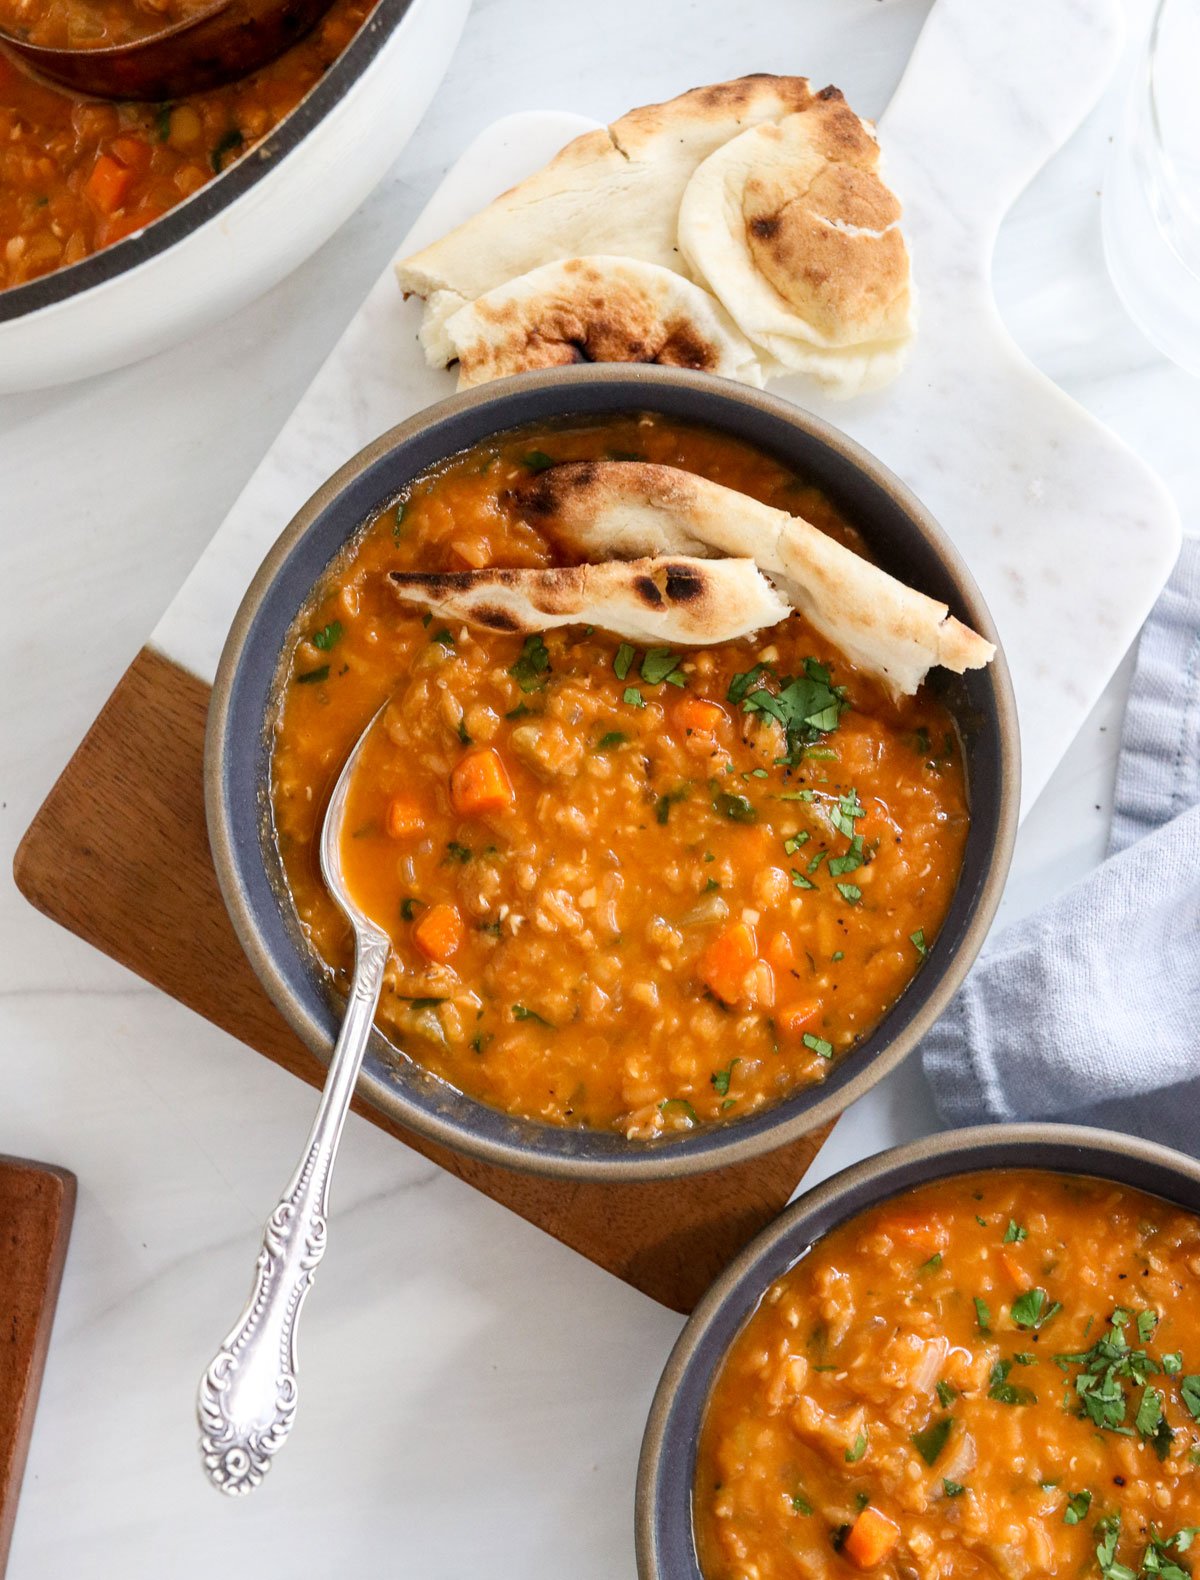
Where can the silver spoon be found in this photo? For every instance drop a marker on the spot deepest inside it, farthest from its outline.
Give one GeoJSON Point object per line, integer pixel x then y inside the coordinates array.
{"type": "Point", "coordinates": [247, 1398]}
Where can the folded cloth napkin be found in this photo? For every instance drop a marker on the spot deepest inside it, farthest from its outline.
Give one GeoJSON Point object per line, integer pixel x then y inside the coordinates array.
{"type": "Point", "coordinates": [1089, 1011]}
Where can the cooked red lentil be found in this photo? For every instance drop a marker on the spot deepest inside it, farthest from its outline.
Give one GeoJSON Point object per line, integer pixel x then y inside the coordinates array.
{"type": "Point", "coordinates": [995, 1375]}
{"type": "Point", "coordinates": [78, 174]}
{"type": "Point", "coordinates": [621, 892]}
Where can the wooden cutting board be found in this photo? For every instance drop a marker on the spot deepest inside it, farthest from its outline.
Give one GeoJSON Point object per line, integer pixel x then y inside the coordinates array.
{"type": "Point", "coordinates": [37, 1203]}
{"type": "Point", "coordinates": [119, 854]}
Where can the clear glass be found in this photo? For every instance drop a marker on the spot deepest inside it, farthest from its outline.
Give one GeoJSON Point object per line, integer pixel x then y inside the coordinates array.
{"type": "Point", "coordinates": [1151, 204]}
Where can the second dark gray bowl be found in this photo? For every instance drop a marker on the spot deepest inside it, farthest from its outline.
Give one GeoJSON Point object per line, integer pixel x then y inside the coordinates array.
{"type": "Point", "coordinates": [902, 537]}
{"type": "Point", "coordinates": [665, 1545]}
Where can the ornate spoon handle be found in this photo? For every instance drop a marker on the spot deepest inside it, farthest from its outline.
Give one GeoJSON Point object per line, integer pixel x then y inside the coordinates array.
{"type": "Point", "coordinates": [247, 1398]}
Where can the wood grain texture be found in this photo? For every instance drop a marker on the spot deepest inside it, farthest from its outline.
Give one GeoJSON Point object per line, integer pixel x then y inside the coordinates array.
{"type": "Point", "coordinates": [119, 854]}
{"type": "Point", "coordinates": [37, 1203]}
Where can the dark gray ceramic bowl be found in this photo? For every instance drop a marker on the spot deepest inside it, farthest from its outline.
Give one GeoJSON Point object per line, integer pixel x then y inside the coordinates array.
{"type": "Point", "coordinates": [903, 538]}
{"type": "Point", "coordinates": [665, 1548]}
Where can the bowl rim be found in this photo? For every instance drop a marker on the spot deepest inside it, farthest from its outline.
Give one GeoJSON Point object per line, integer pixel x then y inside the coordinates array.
{"type": "Point", "coordinates": [945, 1154]}
{"type": "Point", "coordinates": [632, 387]}
{"type": "Point", "coordinates": [110, 263]}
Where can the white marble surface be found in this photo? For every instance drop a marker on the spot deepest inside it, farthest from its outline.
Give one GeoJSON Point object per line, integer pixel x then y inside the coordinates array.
{"type": "Point", "coordinates": [451, 1424]}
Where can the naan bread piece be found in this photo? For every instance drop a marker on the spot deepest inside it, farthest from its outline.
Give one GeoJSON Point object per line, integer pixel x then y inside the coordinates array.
{"type": "Point", "coordinates": [598, 309]}
{"type": "Point", "coordinates": [625, 509]}
{"type": "Point", "coordinates": [615, 190]}
{"type": "Point", "coordinates": [673, 601]}
{"type": "Point", "coordinates": [791, 227]}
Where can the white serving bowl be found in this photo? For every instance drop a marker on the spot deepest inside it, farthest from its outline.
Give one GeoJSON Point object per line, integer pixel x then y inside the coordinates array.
{"type": "Point", "coordinates": [240, 234]}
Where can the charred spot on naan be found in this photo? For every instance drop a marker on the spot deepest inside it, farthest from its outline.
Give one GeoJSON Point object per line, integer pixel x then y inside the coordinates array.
{"type": "Point", "coordinates": [690, 602]}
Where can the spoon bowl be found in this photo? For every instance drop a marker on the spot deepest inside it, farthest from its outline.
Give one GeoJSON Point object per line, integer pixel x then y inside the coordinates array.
{"type": "Point", "coordinates": [247, 1398]}
{"type": "Point", "coordinates": [226, 40]}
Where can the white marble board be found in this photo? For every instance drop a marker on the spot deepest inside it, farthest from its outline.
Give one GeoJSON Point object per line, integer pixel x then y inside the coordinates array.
{"type": "Point", "coordinates": [1069, 534]}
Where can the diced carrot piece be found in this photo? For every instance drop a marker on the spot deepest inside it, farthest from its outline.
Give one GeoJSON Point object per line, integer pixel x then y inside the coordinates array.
{"type": "Point", "coordinates": [480, 783]}
{"type": "Point", "coordinates": [793, 1020]}
{"type": "Point", "coordinates": [697, 714]}
{"type": "Point", "coordinates": [1018, 1277]}
{"type": "Point", "coordinates": [870, 1539]}
{"type": "Point", "coordinates": [781, 952]}
{"type": "Point", "coordinates": [108, 183]}
{"type": "Point", "coordinates": [404, 818]}
{"type": "Point", "coordinates": [439, 932]}
{"type": "Point", "coordinates": [724, 964]}
{"type": "Point", "coordinates": [134, 152]}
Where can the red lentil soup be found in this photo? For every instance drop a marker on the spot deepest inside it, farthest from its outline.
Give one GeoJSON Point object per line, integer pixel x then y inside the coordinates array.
{"type": "Point", "coordinates": [994, 1375]}
{"type": "Point", "coordinates": [621, 894]}
{"type": "Point", "coordinates": [78, 174]}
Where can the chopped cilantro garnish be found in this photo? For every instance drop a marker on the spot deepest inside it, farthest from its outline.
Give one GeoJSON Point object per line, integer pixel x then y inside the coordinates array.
{"type": "Point", "coordinates": [1152, 1424]}
{"type": "Point", "coordinates": [946, 1393]}
{"type": "Point", "coordinates": [818, 1045]}
{"type": "Point", "coordinates": [800, 1504]}
{"type": "Point", "coordinates": [850, 892]}
{"type": "Point", "coordinates": [623, 660]}
{"type": "Point", "coordinates": [721, 1078]}
{"type": "Point", "coordinates": [533, 665]}
{"type": "Point", "coordinates": [932, 1264]}
{"type": "Point", "coordinates": [1031, 1311]}
{"type": "Point", "coordinates": [794, 841]}
{"type": "Point", "coordinates": [801, 881]}
{"type": "Point", "coordinates": [633, 697]}
{"type": "Point", "coordinates": [917, 940]}
{"type": "Point", "coordinates": [1077, 1506]}
{"type": "Point", "coordinates": [229, 144]}
{"type": "Point", "coordinates": [1004, 1392]}
{"type": "Point", "coordinates": [930, 1442]}
{"type": "Point", "coordinates": [851, 860]}
{"type": "Point", "coordinates": [610, 739]}
{"type": "Point", "coordinates": [807, 705]}
{"type": "Point", "coordinates": [844, 814]}
{"type": "Point", "coordinates": [983, 1315]}
{"type": "Point", "coordinates": [734, 807]}
{"type": "Point", "coordinates": [857, 1449]}
{"type": "Point", "coordinates": [741, 684]}
{"type": "Point", "coordinates": [663, 809]}
{"type": "Point", "coordinates": [327, 636]}
{"type": "Point", "coordinates": [408, 907]}
{"type": "Point", "coordinates": [1014, 1233]}
{"type": "Point", "coordinates": [661, 664]}
{"type": "Point", "coordinates": [953, 1489]}
{"type": "Point", "coordinates": [313, 677]}
{"type": "Point", "coordinates": [679, 1105]}
{"type": "Point", "coordinates": [537, 460]}
{"type": "Point", "coordinates": [457, 852]}
{"type": "Point", "coordinates": [521, 1012]}
{"type": "Point", "coordinates": [1147, 1321]}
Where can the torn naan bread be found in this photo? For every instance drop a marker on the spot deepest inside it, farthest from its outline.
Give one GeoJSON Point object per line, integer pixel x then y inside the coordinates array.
{"type": "Point", "coordinates": [673, 601]}
{"type": "Point", "coordinates": [615, 190]}
{"type": "Point", "coordinates": [790, 225]}
{"type": "Point", "coordinates": [598, 309]}
{"type": "Point", "coordinates": [627, 509]}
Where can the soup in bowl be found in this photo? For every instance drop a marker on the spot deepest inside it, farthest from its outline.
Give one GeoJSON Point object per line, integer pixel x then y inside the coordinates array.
{"type": "Point", "coordinates": [975, 1357]}
{"type": "Point", "coordinates": [650, 902]}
